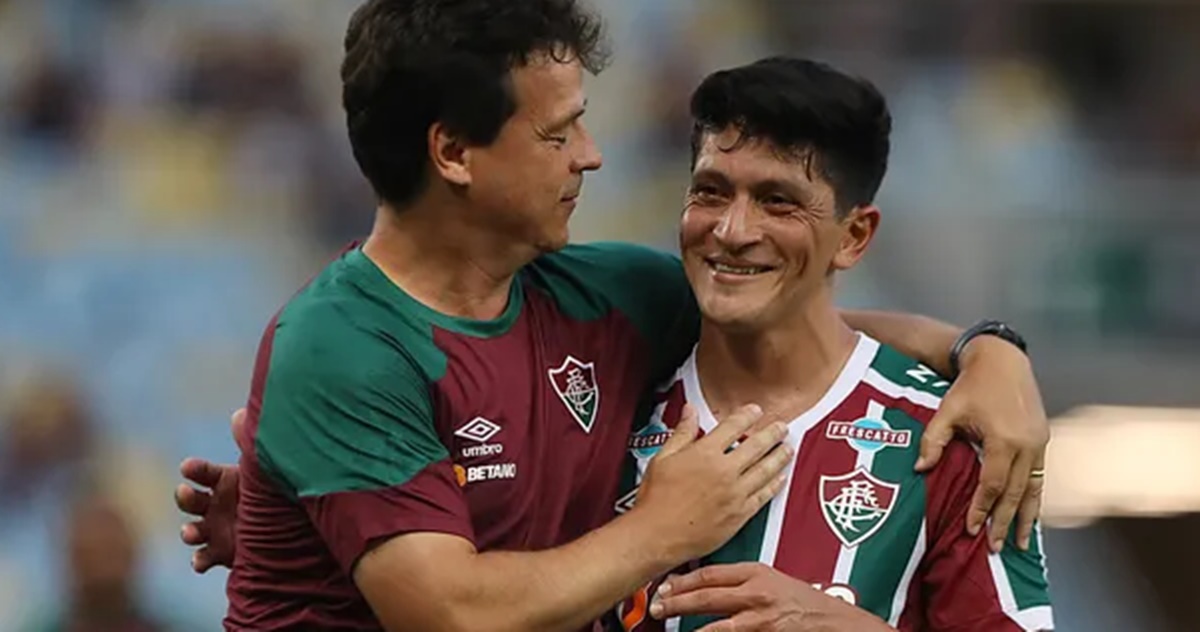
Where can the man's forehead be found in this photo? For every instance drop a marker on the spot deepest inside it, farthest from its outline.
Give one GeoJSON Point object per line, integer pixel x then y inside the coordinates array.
{"type": "Point", "coordinates": [731, 151]}
{"type": "Point", "coordinates": [549, 84]}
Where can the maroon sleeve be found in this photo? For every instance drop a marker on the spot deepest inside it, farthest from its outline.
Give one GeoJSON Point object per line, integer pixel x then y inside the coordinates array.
{"type": "Point", "coordinates": [959, 591]}
{"type": "Point", "coordinates": [352, 522]}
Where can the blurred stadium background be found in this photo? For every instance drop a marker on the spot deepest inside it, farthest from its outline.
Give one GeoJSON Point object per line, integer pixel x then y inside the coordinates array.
{"type": "Point", "coordinates": [170, 170]}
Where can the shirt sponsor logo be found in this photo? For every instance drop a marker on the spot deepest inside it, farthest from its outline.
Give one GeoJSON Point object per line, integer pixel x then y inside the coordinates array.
{"type": "Point", "coordinates": [646, 442]}
{"type": "Point", "coordinates": [479, 430]}
{"type": "Point", "coordinates": [499, 471]}
{"type": "Point", "coordinates": [856, 504]}
{"type": "Point", "coordinates": [575, 383]}
{"type": "Point", "coordinates": [868, 435]}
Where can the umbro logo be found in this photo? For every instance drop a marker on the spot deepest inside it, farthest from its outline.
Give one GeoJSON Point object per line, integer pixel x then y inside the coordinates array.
{"type": "Point", "coordinates": [478, 429]}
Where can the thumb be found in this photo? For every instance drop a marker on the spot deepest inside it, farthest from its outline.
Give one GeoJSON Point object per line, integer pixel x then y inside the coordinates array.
{"type": "Point", "coordinates": [237, 423]}
{"type": "Point", "coordinates": [938, 433]}
{"type": "Point", "coordinates": [684, 433]}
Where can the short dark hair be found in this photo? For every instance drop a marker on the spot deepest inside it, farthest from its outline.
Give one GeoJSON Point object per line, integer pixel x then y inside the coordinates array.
{"type": "Point", "coordinates": [411, 63]}
{"type": "Point", "coordinates": [800, 105]}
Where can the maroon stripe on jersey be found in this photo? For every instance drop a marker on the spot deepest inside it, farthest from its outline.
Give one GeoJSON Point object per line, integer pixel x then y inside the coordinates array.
{"type": "Point", "coordinates": [810, 550]}
{"type": "Point", "coordinates": [258, 384]}
{"type": "Point", "coordinates": [262, 365]}
{"type": "Point", "coordinates": [352, 522]}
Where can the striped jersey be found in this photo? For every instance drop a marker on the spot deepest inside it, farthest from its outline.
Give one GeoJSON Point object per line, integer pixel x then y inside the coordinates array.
{"type": "Point", "coordinates": [854, 520]}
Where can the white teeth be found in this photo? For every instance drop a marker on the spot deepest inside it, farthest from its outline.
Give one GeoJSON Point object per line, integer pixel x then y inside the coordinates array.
{"type": "Point", "coordinates": [727, 269]}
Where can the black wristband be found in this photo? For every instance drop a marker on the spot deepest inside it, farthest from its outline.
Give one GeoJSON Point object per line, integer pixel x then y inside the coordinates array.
{"type": "Point", "coordinates": [984, 328]}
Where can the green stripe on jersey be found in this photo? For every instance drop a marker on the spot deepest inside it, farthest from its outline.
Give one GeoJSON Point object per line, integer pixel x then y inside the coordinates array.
{"type": "Point", "coordinates": [881, 560]}
{"type": "Point", "coordinates": [904, 371]}
{"type": "Point", "coordinates": [1026, 571]}
{"type": "Point", "coordinates": [745, 546]}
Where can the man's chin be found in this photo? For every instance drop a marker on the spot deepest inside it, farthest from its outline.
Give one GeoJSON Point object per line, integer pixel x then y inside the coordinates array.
{"type": "Point", "coordinates": [554, 243]}
{"type": "Point", "coordinates": [731, 319]}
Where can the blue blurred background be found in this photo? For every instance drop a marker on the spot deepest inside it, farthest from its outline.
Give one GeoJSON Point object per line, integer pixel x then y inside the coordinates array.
{"type": "Point", "coordinates": [171, 170]}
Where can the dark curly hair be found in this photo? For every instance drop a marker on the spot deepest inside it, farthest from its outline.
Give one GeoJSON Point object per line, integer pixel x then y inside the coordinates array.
{"type": "Point", "coordinates": [803, 107]}
{"type": "Point", "coordinates": [411, 63]}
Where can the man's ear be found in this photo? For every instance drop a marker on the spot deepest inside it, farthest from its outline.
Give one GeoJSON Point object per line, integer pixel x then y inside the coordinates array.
{"type": "Point", "coordinates": [450, 156]}
{"type": "Point", "coordinates": [859, 229]}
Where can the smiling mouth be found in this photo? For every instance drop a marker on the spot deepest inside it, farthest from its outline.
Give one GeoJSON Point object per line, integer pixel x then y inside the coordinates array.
{"type": "Point", "coordinates": [737, 269]}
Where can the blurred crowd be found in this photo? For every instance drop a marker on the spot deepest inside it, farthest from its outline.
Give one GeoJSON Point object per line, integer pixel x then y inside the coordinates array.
{"type": "Point", "coordinates": [170, 170]}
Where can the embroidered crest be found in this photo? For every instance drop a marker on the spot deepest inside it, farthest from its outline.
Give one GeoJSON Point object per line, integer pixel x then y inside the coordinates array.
{"type": "Point", "coordinates": [855, 505]}
{"type": "Point", "coordinates": [575, 383]}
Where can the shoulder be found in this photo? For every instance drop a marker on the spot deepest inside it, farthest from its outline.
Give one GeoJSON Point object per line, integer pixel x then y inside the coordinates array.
{"type": "Point", "coordinates": [339, 330]}
{"type": "Point", "coordinates": [617, 258]}
{"type": "Point", "coordinates": [612, 272]}
{"type": "Point", "coordinates": [912, 392]}
{"type": "Point", "coordinates": [906, 384]}
{"type": "Point", "coordinates": [591, 280]}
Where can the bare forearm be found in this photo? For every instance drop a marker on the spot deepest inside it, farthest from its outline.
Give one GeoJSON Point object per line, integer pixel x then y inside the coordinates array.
{"type": "Point", "coordinates": [926, 339]}
{"type": "Point", "coordinates": [567, 587]}
{"type": "Point", "coordinates": [561, 589]}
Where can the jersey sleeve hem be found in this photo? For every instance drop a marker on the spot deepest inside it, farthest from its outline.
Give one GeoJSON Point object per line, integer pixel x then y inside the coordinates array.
{"type": "Point", "coordinates": [352, 522]}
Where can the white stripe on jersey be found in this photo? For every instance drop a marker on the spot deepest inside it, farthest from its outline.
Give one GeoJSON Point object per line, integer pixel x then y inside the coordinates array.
{"type": "Point", "coordinates": [914, 560]}
{"type": "Point", "coordinates": [865, 460]}
{"type": "Point", "coordinates": [892, 389]}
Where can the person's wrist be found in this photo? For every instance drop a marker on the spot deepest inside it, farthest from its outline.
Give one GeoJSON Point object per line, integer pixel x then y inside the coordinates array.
{"type": "Point", "coordinates": [994, 335]}
{"type": "Point", "coordinates": [663, 547]}
{"type": "Point", "coordinates": [990, 347]}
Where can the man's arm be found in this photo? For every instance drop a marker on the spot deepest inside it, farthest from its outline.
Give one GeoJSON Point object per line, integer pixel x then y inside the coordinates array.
{"type": "Point", "coordinates": [927, 339]}
{"type": "Point", "coordinates": [967, 587]}
{"type": "Point", "coordinates": [686, 508]}
{"type": "Point", "coordinates": [994, 400]}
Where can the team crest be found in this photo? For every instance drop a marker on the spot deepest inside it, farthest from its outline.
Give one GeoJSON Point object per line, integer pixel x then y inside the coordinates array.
{"type": "Point", "coordinates": [855, 505]}
{"type": "Point", "coordinates": [575, 383]}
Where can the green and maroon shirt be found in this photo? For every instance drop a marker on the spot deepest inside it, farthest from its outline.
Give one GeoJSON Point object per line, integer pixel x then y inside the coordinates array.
{"type": "Point", "coordinates": [371, 416]}
{"type": "Point", "coordinates": [854, 519]}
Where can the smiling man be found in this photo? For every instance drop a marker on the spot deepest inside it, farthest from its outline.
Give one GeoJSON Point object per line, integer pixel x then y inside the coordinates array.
{"type": "Point", "coordinates": [437, 423]}
{"type": "Point", "coordinates": [787, 157]}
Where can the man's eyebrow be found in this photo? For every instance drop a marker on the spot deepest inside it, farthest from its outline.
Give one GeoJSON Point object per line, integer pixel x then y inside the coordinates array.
{"type": "Point", "coordinates": [567, 120]}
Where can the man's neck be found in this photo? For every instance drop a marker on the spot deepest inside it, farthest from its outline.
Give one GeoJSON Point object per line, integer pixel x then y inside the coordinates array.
{"type": "Point", "coordinates": [786, 370]}
{"type": "Point", "coordinates": [447, 264]}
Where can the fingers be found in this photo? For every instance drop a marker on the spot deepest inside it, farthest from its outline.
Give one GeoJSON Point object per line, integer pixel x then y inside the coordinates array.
{"type": "Point", "coordinates": [192, 501]}
{"type": "Point", "coordinates": [194, 533]}
{"type": "Point", "coordinates": [764, 473]}
{"type": "Point", "coordinates": [203, 560]}
{"type": "Point", "coordinates": [938, 433]}
{"type": "Point", "coordinates": [734, 427]}
{"type": "Point", "coordinates": [1010, 500]}
{"type": "Point", "coordinates": [740, 622]}
{"type": "Point", "coordinates": [722, 600]}
{"type": "Point", "coordinates": [760, 498]}
{"type": "Point", "coordinates": [200, 472]}
{"type": "Point", "coordinates": [707, 577]}
{"type": "Point", "coordinates": [993, 479]}
{"type": "Point", "coordinates": [1031, 507]}
{"type": "Point", "coordinates": [683, 434]}
{"type": "Point", "coordinates": [758, 445]}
